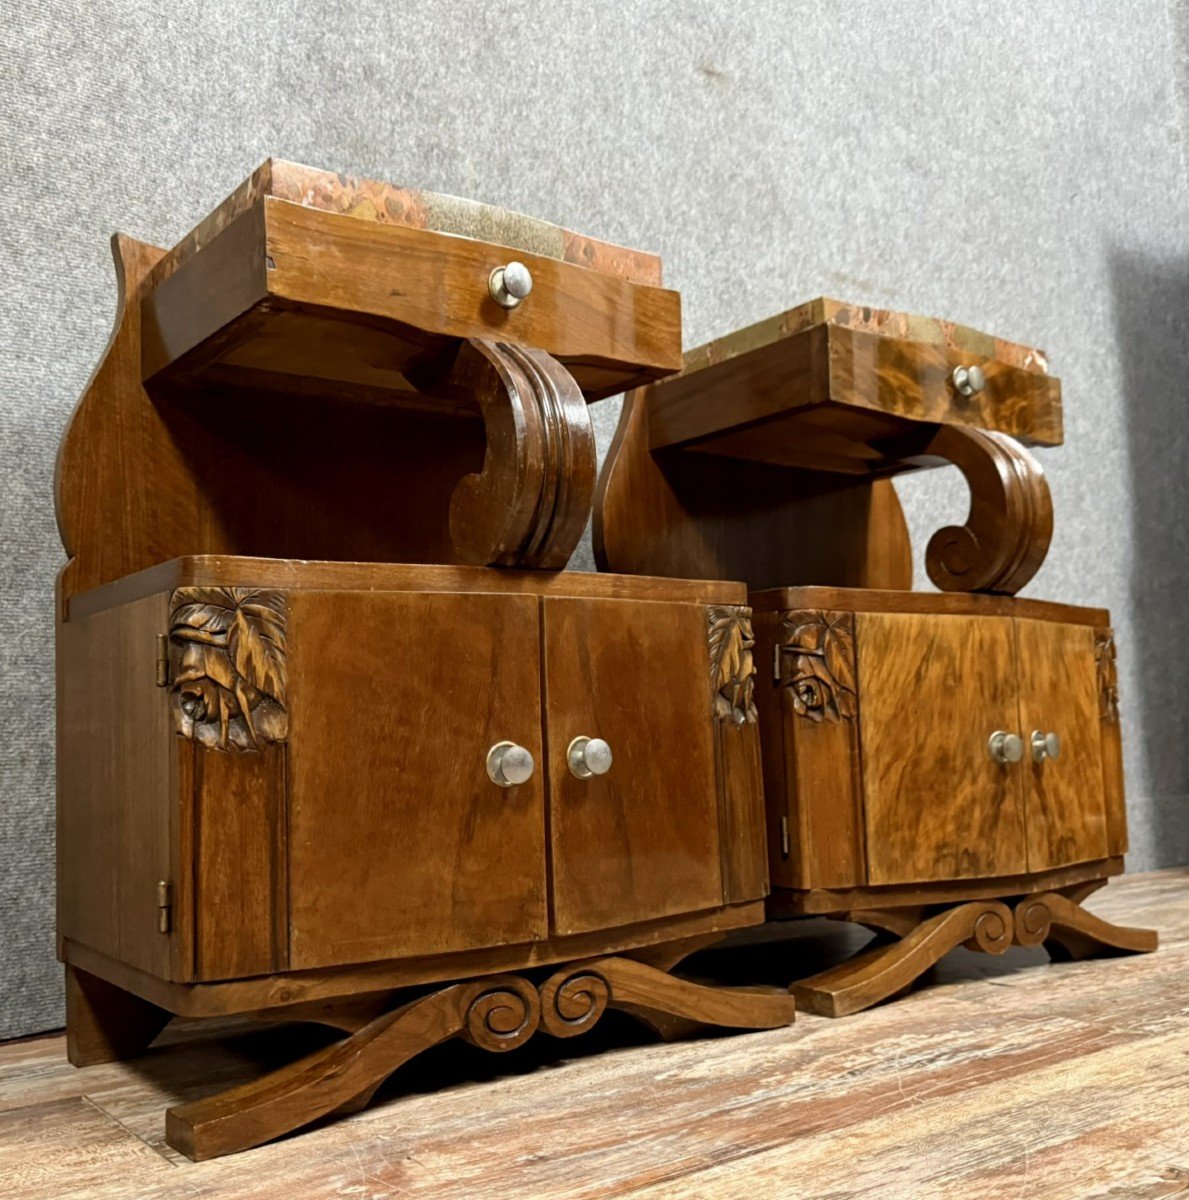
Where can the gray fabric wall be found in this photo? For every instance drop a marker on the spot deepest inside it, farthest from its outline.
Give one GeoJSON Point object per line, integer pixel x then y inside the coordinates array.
{"type": "Point", "coordinates": [1011, 165]}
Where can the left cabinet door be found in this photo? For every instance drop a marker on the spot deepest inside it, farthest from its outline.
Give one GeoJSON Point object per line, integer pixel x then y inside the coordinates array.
{"type": "Point", "coordinates": [399, 842]}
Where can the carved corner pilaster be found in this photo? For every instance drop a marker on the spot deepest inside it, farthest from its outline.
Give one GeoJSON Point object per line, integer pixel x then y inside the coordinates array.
{"type": "Point", "coordinates": [816, 662]}
{"type": "Point", "coordinates": [1108, 675]}
{"type": "Point", "coordinates": [732, 667]}
{"type": "Point", "coordinates": [1007, 534]}
{"type": "Point", "coordinates": [227, 666]}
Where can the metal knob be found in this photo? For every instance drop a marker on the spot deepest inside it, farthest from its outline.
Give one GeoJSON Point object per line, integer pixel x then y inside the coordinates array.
{"type": "Point", "coordinates": [509, 764]}
{"type": "Point", "coordinates": [510, 284]}
{"type": "Point", "coordinates": [968, 380]}
{"type": "Point", "coordinates": [1005, 747]}
{"type": "Point", "coordinates": [1045, 745]}
{"type": "Point", "coordinates": [589, 756]}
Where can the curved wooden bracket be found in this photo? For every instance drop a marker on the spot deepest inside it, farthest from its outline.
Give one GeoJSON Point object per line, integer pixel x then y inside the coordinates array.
{"type": "Point", "coordinates": [1068, 931]}
{"type": "Point", "coordinates": [495, 1014]}
{"type": "Point", "coordinates": [529, 505]}
{"type": "Point", "coordinates": [1007, 534]}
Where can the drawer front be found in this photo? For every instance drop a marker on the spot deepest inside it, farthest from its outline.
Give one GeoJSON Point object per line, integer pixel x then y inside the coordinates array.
{"type": "Point", "coordinates": [915, 380]}
{"type": "Point", "coordinates": [1059, 694]}
{"type": "Point", "coordinates": [641, 841]}
{"type": "Point", "coordinates": [399, 842]}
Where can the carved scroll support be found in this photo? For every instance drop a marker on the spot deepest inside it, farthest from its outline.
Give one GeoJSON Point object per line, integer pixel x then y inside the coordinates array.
{"type": "Point", "coordinates": [495, 1014]}
{"type": "Point", "coordinates": [529, 505]}
{"type": "Point", "coordinates": [1007, 534]}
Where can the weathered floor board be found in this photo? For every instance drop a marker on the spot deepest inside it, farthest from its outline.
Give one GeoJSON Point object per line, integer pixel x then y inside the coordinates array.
{"type": "Point", "coordinates": [998, 1078]}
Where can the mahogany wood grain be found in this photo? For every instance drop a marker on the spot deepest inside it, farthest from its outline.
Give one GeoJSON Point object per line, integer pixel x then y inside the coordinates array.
{"type": "Point", "coordinates": [219, 570]}
{"type": "Point", "coordinates": [786, 902]}
{"type": "Point", "coordinates": [641, 841]}
{"type": "Point", "coordinates": [240, 897]}
{"type": "Point", "coordinates": [923, 603]}
{"type": "Point", "coordinates": [704, 517]}
{"type": "Point", "coordinates": [104, 1023]}
{"type": "Point", "coordinates": [937, 806]}
{"type": "Point", "coordinates": [395, 700]}
{"type": "Point", "coordinates": [496, 1014]}
{"type": "Point", "coordinates": [877, 974]}
{"type": "Point", "coordinates": [1063, 797]}
{"type": "Point", "coordinates": [278, 254]}
{"type": "Point", "coordinates": [743, 846]}
{"type": "Point", "coordinates": [277, 992]}
{"type": "Point", "coordinates": [1007, 534]}
{"type": "Point", "coordinates": [1111, 741]}
{"type": "Point", "coordinates": [117, 783]}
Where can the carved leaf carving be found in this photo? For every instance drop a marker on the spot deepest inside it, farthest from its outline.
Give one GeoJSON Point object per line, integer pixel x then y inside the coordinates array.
{"type": "Point", "coordinates": [1108, 675]}
{"type": "Point", "coordinates": [817, 663]}
{"type": "Point", "coordinates": [228, 679]}
{"type": "Point", "coordinates": [732, 668]}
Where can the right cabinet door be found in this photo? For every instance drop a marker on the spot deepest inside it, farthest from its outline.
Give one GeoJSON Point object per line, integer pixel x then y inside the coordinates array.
{"type": "Point", "coordinates": [932, 691]}
{"type": "Point", "coordinates": [1063, 796]}
{"type": "Point", "coordinates": [641, 841]}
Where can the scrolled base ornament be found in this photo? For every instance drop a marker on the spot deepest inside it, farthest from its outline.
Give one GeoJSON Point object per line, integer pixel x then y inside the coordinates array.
{"type": "Point", "coordinates": [504, 1017]}
{"type": "Point", "coordinates": [573, 1001]}
{"type": "Point", "coordinates": [993, 929]}
{"type": "Point", "coordinates": [1033, 922]}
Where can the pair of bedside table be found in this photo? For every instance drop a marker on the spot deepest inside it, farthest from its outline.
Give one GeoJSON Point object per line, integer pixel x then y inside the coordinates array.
{"type": "Point", "coordinates": [339, 741]}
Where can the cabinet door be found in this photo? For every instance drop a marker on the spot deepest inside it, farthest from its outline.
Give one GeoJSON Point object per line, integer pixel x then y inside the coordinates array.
{"type": "Point", "coordinates": [932, 690]}
{"type": "Point", "coordinates": [399, 842]}
{"type": "Point", "coordinates": [1063, 797]}
{"type": "Point", "coordinates": [641, 841]}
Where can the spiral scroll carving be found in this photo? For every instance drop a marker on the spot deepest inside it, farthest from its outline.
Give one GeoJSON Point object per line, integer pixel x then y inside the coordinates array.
{"type": "Point", "coordinates": [505, 1016]}
{"type": "Point", "coordinates": [1007, 534]}
{"type": "Point", "coordinates": [993, 929]}
{"type": "Point", "coordinates": [1033, 922]}
{"type": "Point", "coordinates": [573, 1002]}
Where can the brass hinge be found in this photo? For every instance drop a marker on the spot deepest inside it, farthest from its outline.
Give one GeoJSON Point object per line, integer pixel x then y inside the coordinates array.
{"type": "Point", "coordinates": [164, 906]}
{"type": "Point", "coordinates": [784, 836]}
{"type": "Point", "coordinates": [162, 660]}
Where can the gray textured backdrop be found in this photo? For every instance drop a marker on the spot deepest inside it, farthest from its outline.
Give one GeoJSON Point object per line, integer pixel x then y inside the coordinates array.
{"type": "Point", "coordinates": [1015, 166]}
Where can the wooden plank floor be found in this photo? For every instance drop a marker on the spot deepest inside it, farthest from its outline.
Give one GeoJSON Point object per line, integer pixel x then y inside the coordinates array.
{"type": "Point", "coordinates": [998, 1078]}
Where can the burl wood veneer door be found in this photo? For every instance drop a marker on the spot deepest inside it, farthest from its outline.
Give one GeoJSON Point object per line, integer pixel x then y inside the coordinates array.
{"type": "Point", "coordinates": [1063, 796]}
{"type": "Point", "coordinates": [932, 690]}
{"type": "Point", "coordinates": [399, 842]}
{"type": "Point", "coordinates": [641, 841]}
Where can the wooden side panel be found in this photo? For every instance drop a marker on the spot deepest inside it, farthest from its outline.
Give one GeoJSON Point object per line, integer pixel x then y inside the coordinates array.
{"type": "Point", "coordinates": [241, 863]}
{"type": "Point", "coordinates": [1114, 794]}
{"type": "Point", "coordinates": [117, 784]}
{"type": "Point", "coordinates": [399, 842]}
{"type": "Point", "coordinates": [777, 787]}
{"type": "Point", "coordinates": [743, 846]}
{"type": "Point", "coordinates": [1059, 693]}
{"type": "Point", "coordinates": [818, 699]}
{"type": "Point", "coordinates": [641, 841]}
{"type": "Point", "coordinates": [933, 691]}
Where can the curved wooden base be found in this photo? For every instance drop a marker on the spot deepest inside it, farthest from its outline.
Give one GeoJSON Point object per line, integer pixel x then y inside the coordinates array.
{"type": "Point", "coordinates": [1058, 922]}
{"type": "Point", "coordinates": [497, 1014]}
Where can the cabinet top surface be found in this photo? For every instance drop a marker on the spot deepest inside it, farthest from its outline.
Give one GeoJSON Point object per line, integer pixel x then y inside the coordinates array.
{"type": "Point", "coordinates": [865, 319]}
{"type": "Point", "coordinates": [389, 204]}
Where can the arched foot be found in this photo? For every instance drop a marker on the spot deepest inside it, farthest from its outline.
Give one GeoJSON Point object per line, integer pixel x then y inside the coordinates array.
{"type": "Point", "coordinates": [496, 1014]}
{"type": "Point", "coordinates": [1068, 932]}
{"type": "Point", "coordinates": [877, 974]}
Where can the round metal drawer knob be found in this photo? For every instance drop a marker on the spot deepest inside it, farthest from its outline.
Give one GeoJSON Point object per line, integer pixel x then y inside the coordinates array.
{"type": "Point", "coordinates": [510, 284]}
{"type": "Point", "coordinates": [1005, 747]}
{"type": "Point", "coordinates": [968, 380]}
{"type": "Point", "coordinates": [589, 756]}
{"type": "Point", "coordinates": [1045, 745]}
{"type": "Point", "coordinates": [509, 764]}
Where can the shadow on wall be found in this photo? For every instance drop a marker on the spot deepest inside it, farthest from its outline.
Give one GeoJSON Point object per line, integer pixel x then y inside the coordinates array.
{"type": "Point", "coordinates": [1151, 299]}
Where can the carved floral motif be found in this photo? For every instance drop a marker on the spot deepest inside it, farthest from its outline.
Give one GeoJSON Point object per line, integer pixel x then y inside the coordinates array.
{"type": "Point", "coordinates": [817, 663]}
{"type": "Point", "coordinates": [732, 669]}
{"type": "Point", "coordinates": [227, 666]}
{"type": "Point", "coordinates": [1108, 675]}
